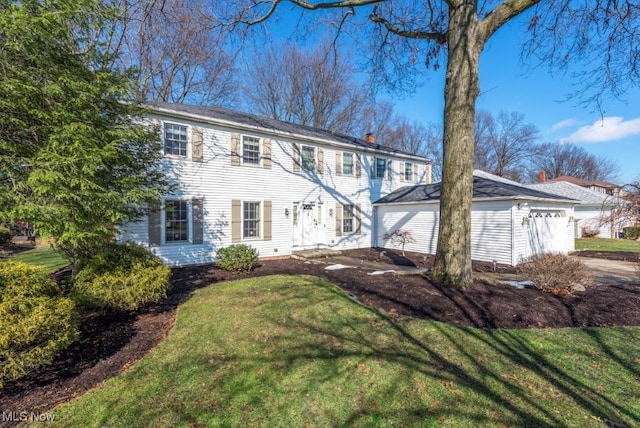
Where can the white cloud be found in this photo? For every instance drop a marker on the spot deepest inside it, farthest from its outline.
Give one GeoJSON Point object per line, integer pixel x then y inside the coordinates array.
{"type": "Point", "coordinates": [563, 124]}
{"type": "Point", "coordinates": [606, 129]}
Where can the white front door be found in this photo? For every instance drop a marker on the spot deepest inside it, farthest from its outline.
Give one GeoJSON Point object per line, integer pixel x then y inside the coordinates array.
{"type": "Point", "coordinates": [306, 224]}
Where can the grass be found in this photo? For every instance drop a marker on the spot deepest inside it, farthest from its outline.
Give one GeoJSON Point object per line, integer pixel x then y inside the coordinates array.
{"type": "Point", "coordinates": [296, 351]}
{"type": "Point", "coordinates": [45, 258]}
{"type": "Point", "coordinates": [604, 244]}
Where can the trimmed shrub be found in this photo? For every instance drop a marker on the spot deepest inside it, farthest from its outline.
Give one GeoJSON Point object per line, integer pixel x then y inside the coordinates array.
{"type": "Point", "coordinates": [121, 277]}
{"type": "Point", "coordinates": [556, 273]}
{"type": "Point", "coordinates": [5, 236]}
{"type": "Point", "coordinates": [237, 258]}
{"type": "Point", "coordinates": [631, 232]}
{"type": "Point", "coordinates": [587, 232]}
{"type": "Point", "coordinates": [36, 322]}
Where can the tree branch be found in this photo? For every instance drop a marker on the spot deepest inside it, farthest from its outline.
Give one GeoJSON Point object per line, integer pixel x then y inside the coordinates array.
{"type": "Point", "coordinates": [438, 37]}
{"type": "Point", "coordinates": [502, 14]}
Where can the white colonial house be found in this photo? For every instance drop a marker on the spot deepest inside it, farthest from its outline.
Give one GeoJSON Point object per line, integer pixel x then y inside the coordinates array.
{"type": "Point", "coordinates": [273, 185]}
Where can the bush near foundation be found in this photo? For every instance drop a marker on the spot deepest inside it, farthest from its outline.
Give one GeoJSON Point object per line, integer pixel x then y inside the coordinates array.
{"type": "Point", "coordinates": [36, 321]}
{"type": "Point", "coordinates": [237, 258]}
{"type": "Point", "coordinates": [556, 273]}
{"type": "Point", "coordinates": [122, 277]}
{"type": "Point", "coordinates": [631, 232]}
{"type": "Point", "coordinates": [5, 236]}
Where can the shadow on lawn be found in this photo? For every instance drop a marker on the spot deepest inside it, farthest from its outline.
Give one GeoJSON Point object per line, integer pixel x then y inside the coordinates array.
{"type": "Point", "coordinates": [511, 402]}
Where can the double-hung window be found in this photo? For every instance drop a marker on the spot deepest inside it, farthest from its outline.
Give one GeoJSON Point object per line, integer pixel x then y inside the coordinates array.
{"type": "Point", "coordinates": [347, 218]}
{"type": "Point", "coordinates": [408, 171]}
{"type": "Point", "coordinates": [347, 163]}
{"type": "Point", "coordinates": [251, 220]}
{"type": "Point", "coordinates": [380, 168]}
{"type": "Point", "coordinates": [176, 221]}
{"type": "Point", "coordinates": [250, 150]}
{"type": "Point", "coordinates": [308, 158]}
{"type": "Point", "coordinates": [175, 139]}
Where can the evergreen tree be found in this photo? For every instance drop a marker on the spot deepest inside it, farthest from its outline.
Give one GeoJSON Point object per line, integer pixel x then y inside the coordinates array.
{"type": "Point", "coordinates": [75, 160]}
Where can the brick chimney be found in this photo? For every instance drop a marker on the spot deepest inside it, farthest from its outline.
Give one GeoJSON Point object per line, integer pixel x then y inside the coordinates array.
{"type": "Point", "coordinates": [428, 173]}
{"type": "Point", "coordinates": [542, 177]}
{"type": "Point", "coordinates": [369, 138]}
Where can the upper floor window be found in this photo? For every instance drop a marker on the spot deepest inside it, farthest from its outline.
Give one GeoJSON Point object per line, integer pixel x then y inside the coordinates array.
{"type": "Point", "coordinates": [250, 150]}
{"type": "Point", "coordinates": [347, 163]}
{"type": "Point", "coordinates": [175, 139]}
{"type": "Point", "coordinates": [408, 171]}
{"type": "Point", "coordinates": [176, 221]}
{"type": "Point", "coordinates": [380, 168]}
{"type": "Point", "coordinates": [308, 158]}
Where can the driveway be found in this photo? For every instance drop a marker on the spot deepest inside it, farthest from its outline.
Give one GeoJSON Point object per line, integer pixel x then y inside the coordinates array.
{"type": "Point", "coordinates": [612, 272]}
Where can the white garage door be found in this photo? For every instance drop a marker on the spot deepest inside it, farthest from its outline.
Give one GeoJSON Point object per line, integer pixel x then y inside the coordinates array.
{"type": "Point", "coordinates": [547, 231]}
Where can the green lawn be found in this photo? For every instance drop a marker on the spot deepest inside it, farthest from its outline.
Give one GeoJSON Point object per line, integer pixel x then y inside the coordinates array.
{"type": "Point", "coordinates": [47, 260]}
{"type": "Point", "coordinates": [294, 351]}
{"type": "Point", "coordinates": [603, 244]}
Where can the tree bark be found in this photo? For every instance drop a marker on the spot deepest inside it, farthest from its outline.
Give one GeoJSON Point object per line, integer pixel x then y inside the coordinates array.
{"type": "Point", "coordinates": [453, 256]}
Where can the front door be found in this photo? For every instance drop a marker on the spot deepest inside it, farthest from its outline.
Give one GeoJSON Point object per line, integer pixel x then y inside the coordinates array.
{"type": "Point", "coordinates": [305, 224]}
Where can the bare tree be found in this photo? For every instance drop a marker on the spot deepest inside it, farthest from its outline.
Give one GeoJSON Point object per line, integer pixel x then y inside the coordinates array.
{"type": "Point", "coordinates": [406, 35]}
{"type": "Point", "coordinates": [557, 159]}
{"type": "Point", "coordinates": [505, 145]}
{"type": "Point", "coordinates": [179, 50]}
{"type": "Point", "coordinates": [315, 89]}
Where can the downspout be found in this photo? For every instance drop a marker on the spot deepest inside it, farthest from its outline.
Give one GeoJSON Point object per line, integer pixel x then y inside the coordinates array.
{"type": "Point", "coordinates": [513, 235]}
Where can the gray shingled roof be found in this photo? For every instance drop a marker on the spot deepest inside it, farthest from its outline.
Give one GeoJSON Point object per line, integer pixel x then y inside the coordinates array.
{"type": "Point", "coordinates": [573, 191]}
{"type": "Point", "coordinates": [483, 188]}
{"type": "Point", "coordinates": [228, 115]}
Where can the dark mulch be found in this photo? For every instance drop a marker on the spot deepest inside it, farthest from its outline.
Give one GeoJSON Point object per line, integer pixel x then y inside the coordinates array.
{"type": "Point", "coordinates": [110, 342]}
{"type": "Point", "coordinates": [623, 256]}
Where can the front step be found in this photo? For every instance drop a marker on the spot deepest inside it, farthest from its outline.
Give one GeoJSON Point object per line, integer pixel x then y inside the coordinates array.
{"type": "Point", "coordinates": [315, 253]}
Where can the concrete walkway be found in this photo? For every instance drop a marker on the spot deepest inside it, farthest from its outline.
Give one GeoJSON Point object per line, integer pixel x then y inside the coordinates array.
{"type": "Point", "coordinates": [612, 272]}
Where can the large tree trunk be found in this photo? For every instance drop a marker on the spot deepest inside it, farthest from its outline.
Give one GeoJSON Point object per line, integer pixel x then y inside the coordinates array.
{"type": "Point", "coordinates": [453, 255]}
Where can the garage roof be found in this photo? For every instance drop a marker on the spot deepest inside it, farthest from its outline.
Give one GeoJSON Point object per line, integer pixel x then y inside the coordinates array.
{"type": "Point", "coordinates": [483, 188]}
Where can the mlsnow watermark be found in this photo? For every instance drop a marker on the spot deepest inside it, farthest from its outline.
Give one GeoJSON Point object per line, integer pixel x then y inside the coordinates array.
{"type": "Point", "coordinates": [27, 417]}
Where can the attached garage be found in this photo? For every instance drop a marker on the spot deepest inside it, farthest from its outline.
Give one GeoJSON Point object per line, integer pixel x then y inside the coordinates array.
{"type": "Point", "coordinates": [509, 222]}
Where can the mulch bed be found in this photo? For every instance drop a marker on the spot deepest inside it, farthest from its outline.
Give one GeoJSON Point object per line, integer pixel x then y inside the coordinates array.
{"type": "Point", "coordinates": [111, 341]}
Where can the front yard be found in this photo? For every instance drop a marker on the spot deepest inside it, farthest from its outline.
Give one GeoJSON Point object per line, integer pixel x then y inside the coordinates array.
{"type": "Point", "coordinates": [295, 350]}
{"type": "Point", "coordinates": [604, 244]}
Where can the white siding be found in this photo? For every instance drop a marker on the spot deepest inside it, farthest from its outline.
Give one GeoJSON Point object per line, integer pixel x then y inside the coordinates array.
{"type": "Point", "coordinates": [499, 229]}
{"type": "Point", "coordinates": [217, 182]}
{"type": "Point", "coordinates": [491, 226]}
{"type": "Point", "coordinates": [594, 218]}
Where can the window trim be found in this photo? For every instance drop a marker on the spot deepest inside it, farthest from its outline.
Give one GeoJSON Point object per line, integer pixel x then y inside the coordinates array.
{"type": "Point", "coordinates": [260, 221]}
{"type": "Point", "coordinates": [375, 168]}
{"type": "Point", "coordinates": [353, 164]}
{"type": "Point", "coordinates": [315, 158]}
{"type": "Point", "coordinates": [187, 141]}
{"type": "Point", "coordinates": [188, 221]}
{"type": "Point", "coordinates": [410, 171]}
{"type": "Point", "coordinates": [260, 150]}
{"type": "Point", "coordinates": [351, 209]}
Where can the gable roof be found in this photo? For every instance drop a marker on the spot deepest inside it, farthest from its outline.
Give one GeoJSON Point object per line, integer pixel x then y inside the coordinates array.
{"type": "Point", "coordinates": [484, 188]}
{"type": "Point", "coordinates": [574, 191]}
{"type": "Point", "coordinates": [227, 116]}
{"type": "Point", "coordinates": [582, 182]}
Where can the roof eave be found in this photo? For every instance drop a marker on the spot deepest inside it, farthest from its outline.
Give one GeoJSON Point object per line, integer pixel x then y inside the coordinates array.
{"type": "Point", "coordinates": [242, 126]}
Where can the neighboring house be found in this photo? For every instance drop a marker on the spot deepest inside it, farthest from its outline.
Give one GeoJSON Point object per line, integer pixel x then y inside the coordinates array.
{"type": "Point", "coordinates": [596, 212]}
{"type": "Point", "coordinates": [509, 222]}
{"type": "Point", "coordinates": [595, 185]}
{"type": "Point", "coordinates": [273, 185]}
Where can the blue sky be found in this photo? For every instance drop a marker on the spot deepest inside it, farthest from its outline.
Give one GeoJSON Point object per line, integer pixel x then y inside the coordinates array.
{"type": "Point", "coordinates": [506, 84]}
